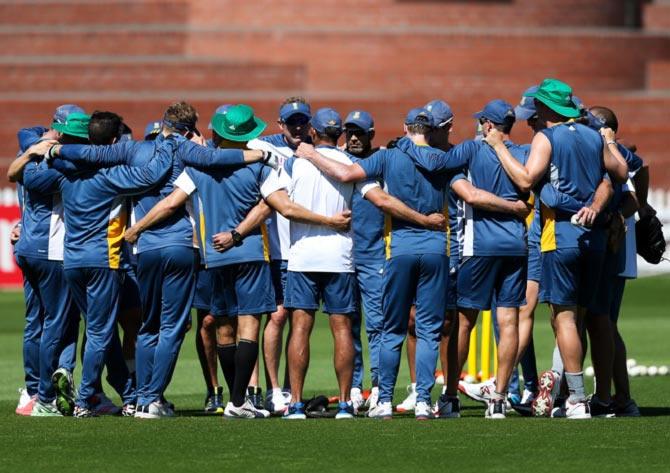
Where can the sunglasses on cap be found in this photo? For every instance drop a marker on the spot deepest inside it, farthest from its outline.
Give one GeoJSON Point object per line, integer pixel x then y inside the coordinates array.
{"type": "Point", "coordinates": [296, 120]}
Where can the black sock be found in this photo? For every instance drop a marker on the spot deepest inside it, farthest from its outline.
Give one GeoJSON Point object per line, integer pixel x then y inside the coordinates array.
{"type": "Point", "coordinates": [245, 360]}
{"type": "Point", "coordinates": [227, 360]}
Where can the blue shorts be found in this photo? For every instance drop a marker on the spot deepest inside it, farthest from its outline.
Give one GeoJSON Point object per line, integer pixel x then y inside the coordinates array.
{"type": "Point", "coordinates": [129, 298]}
{"type": "Point", "coordinates": [481, 278]}
{"type": "Point", "coordinates": [570, 277]}
{"type": "Point", "coordinates": [534, 262]}
{"type": "Point", "coordinates": [307, 291]}
{"type": "Point", "coordinates": [279, 268]}
{"type": "Point", "coordinates": [203, 289]}
{"type": "Point", "coordinates": [452, 284]}
{"type": "Point", "coordinates": [242, 289]}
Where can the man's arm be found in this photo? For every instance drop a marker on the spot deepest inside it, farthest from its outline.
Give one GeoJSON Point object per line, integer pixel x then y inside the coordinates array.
{"type": "Point", "coordinates": [40, 178]}
{"type": "Point", "coordinates": [587, 214]}
{"type": "Point", "coordinates": [31, 135]}
{"type": "Point", "coordinates": [524, 177]}
{"type": "Point", "coordinates": [280, 201]}
{"type": "Point", "coordinates": [336, 170]}
{"type": "Point", "coordinates": [397, 209]}
{"type": "Point", "coordinates": [615, 164]}
{"type": "Point", "coordinates": [158, 213]}
{"type": "Point", "coordinates": [224, 240]}
{"type": "Point", "coordinates": [559, 201]}
{"type": "Point", "coordinates": [486, 201]}
{"type": "Point", "coordinates": [15, 170]}
{"type": "Point", "coordinates": [131, 180]}
{"type": "Point", "coordinates": [436, 160]}
{"type": "Point", "coordinates": [202, 157]}
{"type": "Point", "coordinates": [91, 156]}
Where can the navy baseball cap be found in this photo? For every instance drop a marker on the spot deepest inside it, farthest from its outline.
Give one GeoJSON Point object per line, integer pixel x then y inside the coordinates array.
{"type": "Point", "coordinates": [497, 111]}
{"type": "Point", "coordinates": [419, 116]}
{"type": "Point", "coordinates": [526, 108]}
{"type": "Point", "coordinates": [441, 112]}
{"type": "Point", "coordinates": [222, 109]}
{"type": "Point", "coordinates": [62, 112]}
{"type": "Point", "coordinates": [152, 128]}
{"type": "Point", "coordinates": [361, 119]}
{"type": "Point", "coordinates": [325, 118]}
{"type": "Point", "coordinates": [293, 108]}
{"type": "Point", "coordinates": [579, 104]}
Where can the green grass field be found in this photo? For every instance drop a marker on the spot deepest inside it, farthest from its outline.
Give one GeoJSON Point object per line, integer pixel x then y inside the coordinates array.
{"type": "Point", "coordinates": [194, 442]}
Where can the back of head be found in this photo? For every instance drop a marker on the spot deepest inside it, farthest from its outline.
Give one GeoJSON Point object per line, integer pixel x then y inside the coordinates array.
{"type": "Point", "coordinates": [104, 128]}
{"type": "Point", "coordinates": [607, 116]}
{"type": "Point", "coordinates": [180, 117]}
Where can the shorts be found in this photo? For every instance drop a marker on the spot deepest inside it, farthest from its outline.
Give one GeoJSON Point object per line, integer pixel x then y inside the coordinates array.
{"type": "Point", "coordinates": [307, 290]}
{"type": "Point", "coordinates": [129, 297]}
{"type": "Point", "coordinates": [534, 262]}
{"type": "Point", "coordinates": [279, 268]}
{"type": "Point", "coordinates": [203, 289]}
{"type": "Point", "coordinates": [242, 289]}
{"type": "Point", "coordinates": [570, 277]}
{"type": "Point", "coordinates": [481, 278]}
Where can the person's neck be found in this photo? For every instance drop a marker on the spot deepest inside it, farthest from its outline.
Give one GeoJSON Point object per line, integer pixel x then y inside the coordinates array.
{"type": "Point", "coordinates": [419, 140]}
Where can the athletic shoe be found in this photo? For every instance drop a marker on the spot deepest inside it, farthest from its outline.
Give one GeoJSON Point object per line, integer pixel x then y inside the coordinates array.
{"type": "Point", "coordinates": [168, 405]}
{"type": "Point", "coordinates": [255, 395]}
{"type": "Point", "coordinates": [497, 409]}
{"type": "Point", "coordinates": [83, 412]}
{"type": "Point", "coordinates": [447, 407]}
{"type": "Point", "coordinates": [65, 391]}
{"type": "Point", "coordinates": [577, 410]}
{"type": "Point", "coordinates": [383, 410]}
{"type": "Point", "coordinates": [103, 406]}
{"type": "Point", "coordinates": [410, 401]}
{"type": "Point", "coordinates": [128, 410]}
{"type": "Point", "coordinates": [513, 400]}
{"type": "Point", "coordinates": [214, 401]}
{"type": "Point", "coordinates": [373, 398]}
{"type": "Point", "coordinates": [549, 387]}
{"type": "Point", "coordinates": [480, 392]}
{"type": "Point", "coordinates": [245, 411]}
{"type": "Point", "coordinates": [155, 410]}
{"type": "Point", "coordinates": [276, 401]}
{"type": "Point", "coordinates": [597, 408]}
{"type": "Point", "coordinates": [295, 411]}
{"type": "Point", "coordinates": [558, 411]}
{"type": "Point", "coordinates": [422, 411]}
{"type": "Point", "coordinates": [629, 409]}
{"type": "Point", "coordinates": [346, 410]}
{"type": "Point", "coordinates": [45, 409]}
{"type": "Point", "coordinates": [26, 403]}
{"type": "Point", "coordinates": [356, 399]}
{"type": "Point", "coordinates": [527, 397]}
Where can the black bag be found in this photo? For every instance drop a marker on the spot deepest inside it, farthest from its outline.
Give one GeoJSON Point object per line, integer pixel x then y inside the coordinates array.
{"type": "Point", "coordinates": [650, 239]}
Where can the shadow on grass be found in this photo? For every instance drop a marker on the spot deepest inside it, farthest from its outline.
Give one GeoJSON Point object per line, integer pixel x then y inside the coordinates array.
{"type": "Point", "coordinates": [655, 411]}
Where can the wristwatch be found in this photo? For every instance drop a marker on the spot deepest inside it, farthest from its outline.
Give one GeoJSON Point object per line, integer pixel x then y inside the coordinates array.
{"type": "Point", "coordinates": [237, 238]}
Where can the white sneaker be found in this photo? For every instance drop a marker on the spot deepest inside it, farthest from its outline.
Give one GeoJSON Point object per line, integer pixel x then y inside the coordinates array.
{"type": "Point", "coordinates": [527, 397]}
{"type": "Point", "coordinates": [410, 401]}
{"type": "Point", "coordinates": [383, 410]}
{"type": "Point", "coordinates": [497, 409]}
{"type": "Point", "coordinates": [155, 410]}
{"type": "Point", "coordinates": [104, 405]}
{"type": "Point", "coordinates": [276, 402]}
{"type": "Point", "coordinates": [356, 399]}
{"type": "Point", "coordinates": [373, 398]}
{"type": "Point", "coordinates": [245, 411]}
{"type": "Point", "coordinates": [422, 411]}
{"type": "Point", "coordinates": [577, 410]}
{"type": "Point", "coordinates": [26, 403]}
{"type": "Point", "coordinates": [480, 392]}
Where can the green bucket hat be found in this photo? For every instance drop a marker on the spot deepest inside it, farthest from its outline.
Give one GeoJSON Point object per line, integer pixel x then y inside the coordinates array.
{"type": "Point", "coordinates": [76, 124]}
{"type": "Point", "coordinates": [238, 124]}
{"type": "Point", "coordinates": [557, 96]}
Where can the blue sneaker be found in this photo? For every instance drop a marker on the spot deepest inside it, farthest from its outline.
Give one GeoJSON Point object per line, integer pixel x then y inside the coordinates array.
{"type": "Point", "coordinates": [345, 411]}
{"type": "Point", "coordinates": [514, 399]}
{"type": "Point", "coordinates": [296, 410]}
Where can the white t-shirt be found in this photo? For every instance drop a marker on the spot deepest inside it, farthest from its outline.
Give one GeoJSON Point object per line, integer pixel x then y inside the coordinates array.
{"type": "Point", "coordinates": [278, 226]}
{"type": "Point", "coordinates": [315, 248]}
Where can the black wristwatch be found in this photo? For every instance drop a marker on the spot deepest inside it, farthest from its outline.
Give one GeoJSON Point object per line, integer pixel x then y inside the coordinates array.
{"type": "Point", "coordinates": [237, 238]}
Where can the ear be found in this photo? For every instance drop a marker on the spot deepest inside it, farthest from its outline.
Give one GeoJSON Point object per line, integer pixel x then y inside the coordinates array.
{"type": "Point", "coordinates": [280, 124]}
{"type": "Point", "coordinates": [372, 135]}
